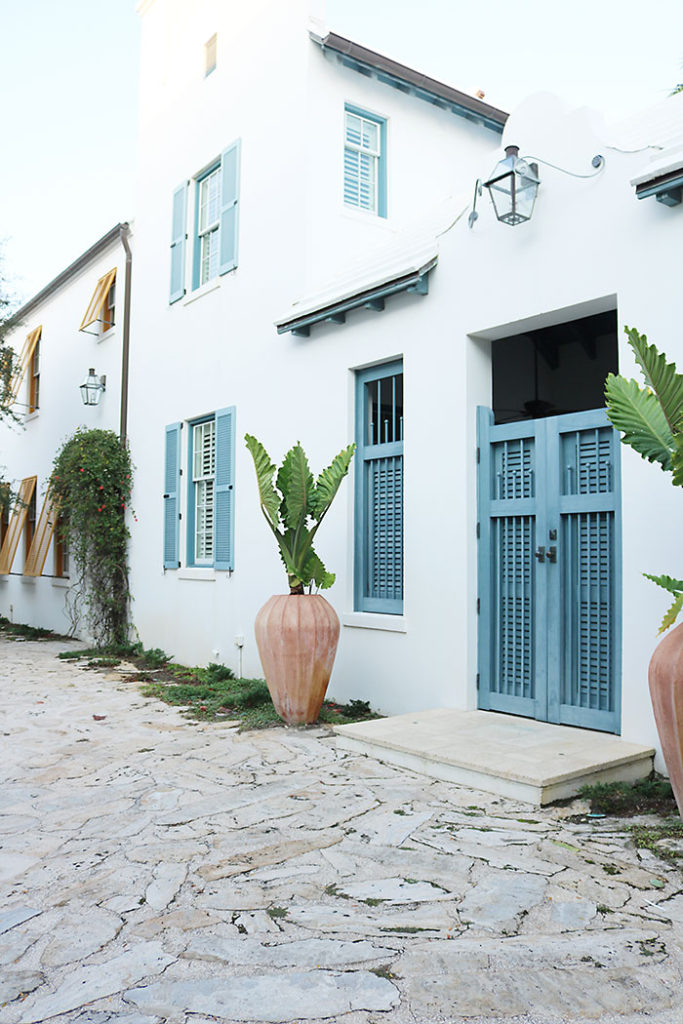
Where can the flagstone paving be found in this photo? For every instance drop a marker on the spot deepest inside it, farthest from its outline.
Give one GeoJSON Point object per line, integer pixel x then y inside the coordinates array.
{"type": "Point", "coordinates": [154, 869]}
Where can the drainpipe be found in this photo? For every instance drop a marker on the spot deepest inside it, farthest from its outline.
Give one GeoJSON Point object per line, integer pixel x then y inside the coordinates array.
{"type": "Point", "coordinates": [123, 235]}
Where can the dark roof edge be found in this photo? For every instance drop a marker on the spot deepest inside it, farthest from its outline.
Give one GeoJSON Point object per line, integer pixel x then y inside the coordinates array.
{"type": "Point", "coordinates": [100, 245]}
{"type": "Point", "coordinates": [491, 116]}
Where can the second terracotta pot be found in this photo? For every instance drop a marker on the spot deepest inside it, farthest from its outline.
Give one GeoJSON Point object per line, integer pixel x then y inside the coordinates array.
{"type": "Point", "coordinates": [297, 637]}
{"type": "Point", "coordinates": [666, 690]}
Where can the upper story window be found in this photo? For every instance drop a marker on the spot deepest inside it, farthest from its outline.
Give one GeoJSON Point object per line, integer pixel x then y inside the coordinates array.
{"type": "Point", "coordinates": [24, 365]}
{"type": "Point", "coordinates": [99, 315]}
{"type": "Point", "coordinates": [213, 196]}
{"type": "Point", "coordinates": [210, 50]}
{"type": "Point", "coordinates": [208, 234]}
{"type": "Point", "coordinates": [365, 161]}
{"type": "Point", "coordinates": [34, 380]}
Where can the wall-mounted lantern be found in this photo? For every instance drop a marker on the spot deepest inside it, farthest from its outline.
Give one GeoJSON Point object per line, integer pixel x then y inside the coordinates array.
{"type": "Point", "coordinates": [92, 387]}
{"type": "Point", "coordinates": [513, 187]}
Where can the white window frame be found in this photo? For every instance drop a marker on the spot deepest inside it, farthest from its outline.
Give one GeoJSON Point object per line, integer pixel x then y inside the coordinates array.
{"type": "Point", "coordinates": [377, 155]}
{"type": "Point", "coordinates": [203, 491]}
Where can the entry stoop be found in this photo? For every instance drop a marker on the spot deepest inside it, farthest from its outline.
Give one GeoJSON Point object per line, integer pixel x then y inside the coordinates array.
{"type": "Point", "coordinates": [513, 757]}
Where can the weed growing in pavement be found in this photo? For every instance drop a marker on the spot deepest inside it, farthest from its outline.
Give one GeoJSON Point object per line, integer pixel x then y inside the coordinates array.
{"type": "Point", "coordinates": [626, 799]}
{"type": "Point", "coordinates": [665, 841]}
{"type": "Point", "coordinates": [19, 630]}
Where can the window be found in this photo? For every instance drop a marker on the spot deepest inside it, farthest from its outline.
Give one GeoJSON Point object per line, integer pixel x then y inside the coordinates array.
{"type": "Point", "coordinates": [4, 510]}
{"type": "Point", "coordinates": [208, 205]}
{"type": "Point", "coordinates": [100, 312]}
{"type": "Point", "coordinates": [17, 522]}
{"type": "Point", "coordinates": [210, 498]}
{"type": "Point", "coordinates": [203, 472]}
{"type": "Point", "coordinates": [30, 525]}
{"type": "Point", "coordinates": [210, 48]}
{"type": "Point", "coordinates": [365, 161]}
{"type": "Point", "coordinates": [24, 362]}
{"type": "Point", "coordinates": [61, 552]}
{"type": "Point", "coordinates": [214, 195]}
{"type": "Point", "coordinates": [34, 380]}
{"type": "Point", "coordinates": [379, 490]}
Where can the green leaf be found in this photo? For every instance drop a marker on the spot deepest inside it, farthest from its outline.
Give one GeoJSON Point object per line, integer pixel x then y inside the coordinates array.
{"type": "Point", "coordinates": [315, 570]}
{"type": "Point", "coordinates": [666, 582]}
{"type": "Point", "coordinates": [672, 613]}
{"type": "Point", "coordinates": [329, 481]}
{"type": "Point", "coordinates": [677, 460]}
{"type": "Point", "coordinates": [638, 414]}
{"type": "Point", "coordinates": [265, 470]}
{"type": "Point", "coordinates": [295, 482]}
{"type": "Point", "coordinates": [661, 377]}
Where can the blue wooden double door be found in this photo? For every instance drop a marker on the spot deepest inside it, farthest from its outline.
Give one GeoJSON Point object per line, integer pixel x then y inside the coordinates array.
{"type": "Point", "coordinates": [549, 569]}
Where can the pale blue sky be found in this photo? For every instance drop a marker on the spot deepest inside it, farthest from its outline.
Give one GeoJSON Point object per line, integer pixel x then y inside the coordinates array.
{"type": "Point", "coordinates": [68, 82]}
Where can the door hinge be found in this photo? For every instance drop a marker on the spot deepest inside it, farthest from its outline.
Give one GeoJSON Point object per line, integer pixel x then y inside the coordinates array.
{"type": "Point", "coordinates": [180, 515]}
{"type": "Point", "coordinates": [478, 605]}
{"type": "Point", "coordinates": [478, 680]}
{"type": "Point", "coordinates": [180, 472]}
{"type": "Point", "coordinates": [478, 530]}
{"type": "Point", "coordinates": [478, 455]}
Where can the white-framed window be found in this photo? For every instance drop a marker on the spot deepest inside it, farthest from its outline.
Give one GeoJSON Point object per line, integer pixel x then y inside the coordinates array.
{"type": "Point", "coordinates": [208, 224]}
{"type": "Point", "coordinates": [213, 211]}
{"type": "Point", "coordinates": [201, 452]}
{"type": "Point", "coordinates": [203, 475]}
{"type": "Point", "coordinates": [364, 161]}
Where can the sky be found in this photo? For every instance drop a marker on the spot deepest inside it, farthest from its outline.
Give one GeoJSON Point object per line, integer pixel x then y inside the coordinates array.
{"type": "Point", "coordinates": [68, 83]}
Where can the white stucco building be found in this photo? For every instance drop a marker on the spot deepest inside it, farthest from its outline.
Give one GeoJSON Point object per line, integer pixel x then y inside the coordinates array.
{"type": "Point", "coordinates": [305, 270]}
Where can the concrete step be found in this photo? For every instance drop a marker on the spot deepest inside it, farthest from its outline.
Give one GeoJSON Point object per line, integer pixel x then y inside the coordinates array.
{"type": "Point", "coordinates": [513, 757]}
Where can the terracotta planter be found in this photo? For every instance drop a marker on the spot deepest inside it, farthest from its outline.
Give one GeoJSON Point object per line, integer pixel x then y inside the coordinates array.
{"type": "Point", "coordinates": [297, 637]}
{"type": "Point", "coordinates": [666, 690]}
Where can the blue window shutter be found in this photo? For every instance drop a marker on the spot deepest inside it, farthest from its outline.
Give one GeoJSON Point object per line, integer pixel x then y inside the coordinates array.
{"type": "Point", "coordinates": [171, 495]}
{"type": "Point", "coordinates": [178, 243]}
{"type": "Point", "coordinates": [230, 188]}
{"type": "Point", "coordinates": [224, 493]}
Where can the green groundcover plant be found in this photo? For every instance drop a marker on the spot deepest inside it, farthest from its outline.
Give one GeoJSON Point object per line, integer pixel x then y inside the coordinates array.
{"type": "Point", "coordinates": [91, 481]}
{"type": "Point", "coordinates": [650, 417]}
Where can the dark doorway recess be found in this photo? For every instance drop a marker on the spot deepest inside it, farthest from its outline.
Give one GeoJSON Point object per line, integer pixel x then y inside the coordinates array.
{"type": "Point", "coordinates": [554, 370]}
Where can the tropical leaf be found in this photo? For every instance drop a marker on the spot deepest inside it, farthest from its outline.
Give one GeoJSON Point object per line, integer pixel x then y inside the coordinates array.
{"type": "Point", "coordinates": [295, 482]}
{"type": "Point", "coordinates": [677, 460]}
{"type": "Point", "coordinates": [666, 582]}
{"type": "Point", "coordinates": [672, 613]}
{"type": "Point", "coordinates": [316, 571]}
{"type": "Point", "coordinates": [329, 481]}
{"type": "Point", "coordinates": [638, 414]}
{"type": "Point", "coordinates": [265, 471]}
{"type": "Point", "coordinates": [661, 377]}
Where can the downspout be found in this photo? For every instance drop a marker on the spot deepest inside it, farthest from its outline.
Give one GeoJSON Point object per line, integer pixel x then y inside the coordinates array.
{"type": "Point", "coordinates": [123, 235]}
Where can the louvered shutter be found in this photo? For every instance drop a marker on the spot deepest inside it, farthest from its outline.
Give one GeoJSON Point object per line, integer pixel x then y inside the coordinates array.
{"type": "Point", "coordinates": [178, 237]}
{"type": "Point", "coordinates": [230, 185]}
{"type": "Point", "coordinates": [172, 496]}
{"type": "Point", "coordinates": [16, 524]}
{"type": "Point", "coordinates": [35, 560]}
{"type": "Point", "coordinates": [224, 490]}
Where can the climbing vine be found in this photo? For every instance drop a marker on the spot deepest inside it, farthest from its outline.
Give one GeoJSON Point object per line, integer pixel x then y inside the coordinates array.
{"type": "Point", "coordinates": [92, 479]}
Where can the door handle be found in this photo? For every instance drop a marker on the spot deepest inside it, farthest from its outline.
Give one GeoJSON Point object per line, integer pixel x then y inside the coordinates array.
{"type": "Point", "coordinates": [552, 554]}
{"type": "Point", "coordinates": [539, 553]}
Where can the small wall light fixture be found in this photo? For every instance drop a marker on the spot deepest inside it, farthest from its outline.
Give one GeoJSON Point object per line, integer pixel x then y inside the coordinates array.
{"type": "Point", "coordinates": [92, 387]}
{"type": "Point", "coordinates": [513, 186]}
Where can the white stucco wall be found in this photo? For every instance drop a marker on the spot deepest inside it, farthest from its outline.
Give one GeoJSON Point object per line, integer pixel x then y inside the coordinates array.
{"type": "Point", "coordinates": [28, 448]}
{"type": "Point", "coordinates": [591, 246]}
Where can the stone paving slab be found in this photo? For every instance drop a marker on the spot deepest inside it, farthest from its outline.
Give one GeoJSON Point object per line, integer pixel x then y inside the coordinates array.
{"type": "Point", "coordinates": [158, 870]}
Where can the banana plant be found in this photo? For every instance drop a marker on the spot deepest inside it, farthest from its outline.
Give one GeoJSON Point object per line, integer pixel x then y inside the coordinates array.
{"type": "Point", "coordinates": [650, 418]}
{"type": "Point", "coordinates": [294, 506]}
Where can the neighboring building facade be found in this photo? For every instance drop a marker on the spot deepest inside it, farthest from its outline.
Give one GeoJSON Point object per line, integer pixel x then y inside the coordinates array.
{"type": "Point", "coordinates": [75, 324]}
{"type": "Point", "coordinates": [305, 270]}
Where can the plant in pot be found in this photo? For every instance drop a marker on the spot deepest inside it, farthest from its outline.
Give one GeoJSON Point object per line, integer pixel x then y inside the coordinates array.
{"type": "Point", "coordinates": [297, 633]}
{"type": "Point", "coordinates": [651, 420]}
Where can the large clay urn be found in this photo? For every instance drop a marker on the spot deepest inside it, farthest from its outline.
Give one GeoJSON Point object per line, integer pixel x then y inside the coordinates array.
{"type": "Point", "coordinates": [296, 636]}
{"type": "Point", "coordinates": [666, 691]}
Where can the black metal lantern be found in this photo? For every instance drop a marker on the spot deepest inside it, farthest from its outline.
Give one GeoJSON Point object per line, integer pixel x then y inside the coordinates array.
{"type": "Point", "coordinates": [92, 387]}
{"type": "Point", "coordinates": [513, 187]}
